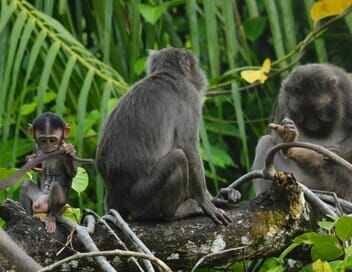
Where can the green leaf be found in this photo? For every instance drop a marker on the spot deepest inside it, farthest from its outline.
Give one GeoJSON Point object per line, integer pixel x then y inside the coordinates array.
{"type": "Point", "coordinates": [61, 95]}
{"type": "Point", "coordinates": [29, 108]}
{"type": "Point", "coordinates": [272, 265]}
{"type": "Point", "coordinates": [82, 107]}
{"type": "Point", "coordinates": [72, 213]}
{"type": "Point", "coordinates": [320, 266]}
{"type": "Point", "coordinates": [254, 27]}
{"type": "Point", "coordinates": [7, 15]}
{"type": "Point", "coordinates": [80, 181]}
{"type": "Point", "coordinates": [344, 228]}
{"type": "Point", "coordinates": [307, 238]}
{"type": "Point", "coordinates": [8, 172]}
{"type": "Point", "coordinates": [326, 251]}
{"type": "Point", "coordinates": [326, 225]}
{"type": "Point", "coordinates": [139, 66]}
{"type": "Point", "coordinates": [44, 79]}
{"type": "Point", "coordinates": [219, 157]}
{"type": "Point", "coordinates": [152, 14]}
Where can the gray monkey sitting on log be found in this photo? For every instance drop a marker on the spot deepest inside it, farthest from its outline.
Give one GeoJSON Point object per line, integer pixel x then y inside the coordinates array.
{"type": "Point", "coordinates": [148, 153]}
{"type": "Point", "coordinates": [314, 105]}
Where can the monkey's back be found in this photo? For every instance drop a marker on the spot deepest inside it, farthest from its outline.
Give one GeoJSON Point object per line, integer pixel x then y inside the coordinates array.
{"type": "Point", "coordinates": [143, 127]}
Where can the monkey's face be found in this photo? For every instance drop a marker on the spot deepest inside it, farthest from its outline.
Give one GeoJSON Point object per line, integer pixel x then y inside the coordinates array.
{"type": "Point", "coordinates": [312, 103]}
{"type": "Point", "coordinates": [49, 142]}
{"type": "Point", "coordinates": [41, 204]}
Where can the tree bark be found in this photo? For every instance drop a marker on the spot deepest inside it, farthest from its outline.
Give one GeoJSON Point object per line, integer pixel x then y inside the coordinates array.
{"type": "Point", "coordinates": [262, 227]}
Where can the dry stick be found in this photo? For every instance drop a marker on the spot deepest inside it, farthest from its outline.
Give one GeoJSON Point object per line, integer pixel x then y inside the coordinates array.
{"type": "Point", "coordinates": [89, 221]}
{"type": "Point", "coordinates": [328, 197]}
{"type": "Point", "coordinates": [269, 171]}
{"type": "Point", "coordinates": [201, 260]}
{"type": "Point", "coordinates": [298, 49]}
{"type": "Point", "coordinates": [84, 237]}
{"type": "Point", "coordinates": [115, 252]}
{"type": "Point", "coordinates": [32, 163]}
{"type": "Point", "coordinates": [112, 232]}
{"type": "Point", "coordinates": [117, 219]}
{"type": "Point", "coordinates": [16, 255]}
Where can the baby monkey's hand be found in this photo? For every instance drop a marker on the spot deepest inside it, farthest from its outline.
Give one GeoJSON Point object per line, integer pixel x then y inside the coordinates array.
{"type": "Point", "coordinates": [69, 149]}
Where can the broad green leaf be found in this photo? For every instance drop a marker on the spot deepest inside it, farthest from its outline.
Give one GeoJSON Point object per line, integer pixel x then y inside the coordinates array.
{"type": "Point", "coordinates": [254, 27]}
{"type": "Point", "coordinates": [321, 266]}
{"type": "Point", "coordinates": [344, 228]}
{"type": "Point", "coordinates": [326, 225]}
{"type": "Point", "coordinates": [152, 14]}
{"type": "Point", "coordinates": [80, 181]}
{"type": "Point", "coordinates": [272, 265]}
{"type": "Point", "coordinates": [337, 265]}
{"type": "Point", "coordinates": [326, 238]}
{"type": "Point", "coordinates": [326, 251]}
{"type": "Point", "coordinates": [307, 238]}
{"type": "Point", "coordinates": [72, 213]}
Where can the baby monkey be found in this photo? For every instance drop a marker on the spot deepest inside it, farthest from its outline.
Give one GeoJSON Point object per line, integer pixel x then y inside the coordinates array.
{"type": "Point", "coordinates": [55, 175]}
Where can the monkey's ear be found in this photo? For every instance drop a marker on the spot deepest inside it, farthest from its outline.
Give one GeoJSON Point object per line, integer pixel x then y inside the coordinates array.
{"type": "Point", "coordinates": [31, 130]}
{"type": "Point", "coordinates": [186, 61]}
{"type": "Point", "coordinates": [67, 129]}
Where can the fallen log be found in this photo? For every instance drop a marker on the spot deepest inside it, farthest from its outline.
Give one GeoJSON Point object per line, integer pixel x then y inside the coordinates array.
{"type": "Point", "coordinates": [260, 228]}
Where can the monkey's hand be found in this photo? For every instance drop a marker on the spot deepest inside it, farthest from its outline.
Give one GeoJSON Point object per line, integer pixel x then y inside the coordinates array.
{"type": "Point", "coordinates": [50, 223]}
{"type": "Point", "coordinates": [69, 149]}
{"type": "Point", "coordinates": [218, 215]}
{"type": "Point", "coordinates": [287, 130]}
{"type": "Point", "coordinates": [227, 197]}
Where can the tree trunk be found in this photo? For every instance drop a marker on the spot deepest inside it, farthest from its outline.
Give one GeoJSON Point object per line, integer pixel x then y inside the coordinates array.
{"type": "Point", "coordinates": [260, 227]}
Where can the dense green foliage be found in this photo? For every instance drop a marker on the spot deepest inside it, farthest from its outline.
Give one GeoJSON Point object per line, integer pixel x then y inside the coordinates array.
{"type": "Point", "coordinates": [78, 57]}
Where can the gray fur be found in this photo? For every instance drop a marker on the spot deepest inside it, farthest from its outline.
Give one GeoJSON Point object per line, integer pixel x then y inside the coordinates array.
{"type": "Point", "coordinates": [148, 153]}
{"type": "Point", "coordinates": [318, 98]}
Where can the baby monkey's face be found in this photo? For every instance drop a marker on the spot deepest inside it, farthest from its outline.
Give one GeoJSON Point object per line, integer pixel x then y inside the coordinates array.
{"type": "Point", "coordinates": [49, 142]}
{"type": "Point", "coordinates": [41, 204]}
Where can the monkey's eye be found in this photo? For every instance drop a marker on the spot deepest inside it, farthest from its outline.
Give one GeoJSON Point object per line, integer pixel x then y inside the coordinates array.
{"type": "Point", "coordinates": [53, 140]}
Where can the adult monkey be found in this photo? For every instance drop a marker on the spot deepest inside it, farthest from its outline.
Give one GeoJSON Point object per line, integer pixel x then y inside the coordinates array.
{"type": "Point", "coordinates": [314, 106]}
{"type": "Point", "coordinates": [148, 153]}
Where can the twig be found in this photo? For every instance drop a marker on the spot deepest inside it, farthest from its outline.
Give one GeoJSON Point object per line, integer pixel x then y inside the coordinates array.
{"type": "Point", "coordinates": [328, 197]}
{"type": "Point", "coordinates": [89, 221]}
{"type": "Point", "coordinates": [16, 255]}
{"type": "Point", "coordinates": [84, 237]}
{"type": "Point", "coordinates": [317, 148]}
{"type": "Point", "coordinates": [115, 252]}
{"type": "Point", "coordinates": [140, 246]}
{"type": "Point", "coordinates": [113, 233]}
{"type": "Point", "coordinates": [201, 260]}
{"type": "Point", "coordinates": [299, 49]}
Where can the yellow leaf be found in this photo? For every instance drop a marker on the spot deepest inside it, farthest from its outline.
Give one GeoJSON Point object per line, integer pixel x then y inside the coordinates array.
{"type": "Point", "coordinates": [253, 75]}
{"type": "Point", "coordinates": [321, 266]}
{"type": "Point", "coordinates": [325, 8]}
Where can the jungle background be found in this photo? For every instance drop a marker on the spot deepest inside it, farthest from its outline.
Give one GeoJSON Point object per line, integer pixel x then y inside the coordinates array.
{"type": "Point", "coordinates": [77, 58]}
